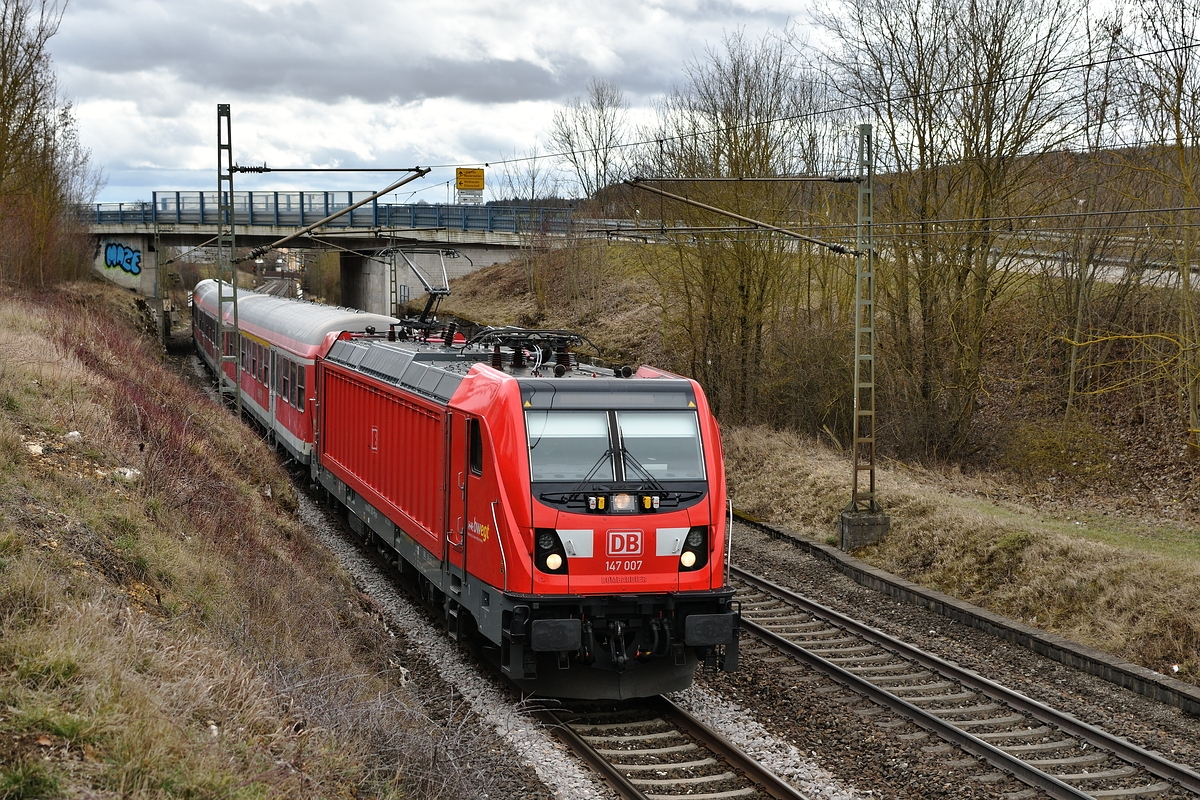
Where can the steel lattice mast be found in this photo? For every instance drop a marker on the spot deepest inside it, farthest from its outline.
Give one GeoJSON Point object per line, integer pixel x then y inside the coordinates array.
{"type": "Point", "coordinates": [862, 497]}
{"type": "Point", "coordinates": [229, 333]}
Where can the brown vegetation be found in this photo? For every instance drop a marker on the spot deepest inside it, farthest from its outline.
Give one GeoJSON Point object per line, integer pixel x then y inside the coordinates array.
{"type": "Point", "coordinates": [167, 627]}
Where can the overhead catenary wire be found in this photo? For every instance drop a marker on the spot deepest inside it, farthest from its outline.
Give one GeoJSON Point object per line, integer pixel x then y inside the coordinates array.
{"type": "Point", "coordinates": [418, 172]}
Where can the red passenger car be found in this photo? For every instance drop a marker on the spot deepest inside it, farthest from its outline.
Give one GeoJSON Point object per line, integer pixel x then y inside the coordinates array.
{"type": "Point", "coordinates": [573, 517]}
{"type": "Point", "coordinates": [278, 344]}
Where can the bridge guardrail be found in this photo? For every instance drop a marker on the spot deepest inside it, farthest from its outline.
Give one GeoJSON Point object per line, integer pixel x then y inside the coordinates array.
{"type": "Point", "coordinates": [296, 209]}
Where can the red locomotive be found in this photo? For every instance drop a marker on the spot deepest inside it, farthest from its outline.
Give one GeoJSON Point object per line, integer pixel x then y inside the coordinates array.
{"type": "Point", "coordinates": [573, 517]}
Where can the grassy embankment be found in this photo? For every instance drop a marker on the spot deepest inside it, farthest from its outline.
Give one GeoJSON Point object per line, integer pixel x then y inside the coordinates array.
{"type": "Point", "coordinates": [174, 632]}
{"type": "Point", "coordinates": [1089, 570]}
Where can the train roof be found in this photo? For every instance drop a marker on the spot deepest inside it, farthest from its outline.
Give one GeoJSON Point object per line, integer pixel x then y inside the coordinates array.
{"type": "Point", "coordinates": [426, 369]}
{"type": "Point", "coordinates": [299, 321]}
{"type": "Point", "coordinates": [435, 371]}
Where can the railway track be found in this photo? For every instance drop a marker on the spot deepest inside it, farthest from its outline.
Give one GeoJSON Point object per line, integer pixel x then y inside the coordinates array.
{"type": "Point", "coordinates": [1054, 754]}
{"type": "Point", "coordinates": [654, 750]}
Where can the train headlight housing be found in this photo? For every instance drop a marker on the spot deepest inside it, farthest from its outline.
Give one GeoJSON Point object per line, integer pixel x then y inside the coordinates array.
{"type": "Point", "coordinates": [549, 555]}
{"type": "Point", "coordinates": [695, 549]}
{"type": "Point", "coordinates": [624, 504]}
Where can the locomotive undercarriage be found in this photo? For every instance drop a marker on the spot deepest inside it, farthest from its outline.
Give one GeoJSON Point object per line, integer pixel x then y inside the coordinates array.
{"type": "Point", "coordinates": [585, 647]}
{"type": "Point", "coordinates": [614, 648]}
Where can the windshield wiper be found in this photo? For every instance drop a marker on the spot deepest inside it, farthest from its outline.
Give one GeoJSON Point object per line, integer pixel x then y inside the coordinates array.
{"type": "Point", "coordinates": [629, 459]}
{"type": "Point", "coordinates": [571, 495]}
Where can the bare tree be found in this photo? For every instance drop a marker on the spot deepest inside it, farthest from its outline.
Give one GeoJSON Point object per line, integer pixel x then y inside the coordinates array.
{"type": "Point", "coordinates": [589, 133]}
{"type": "Point", "coordinates": [527, 178]}
{"type": "Point", "coordinates": [1163, 94]}
{"type": "Point", "coordinates": [966, 94]}
{"type": "Point", "coordinates": [744, 111]}
{"type": "Point", "coordinates": [28, 92]}
{"type": "Point", "coordinates": [44, 169]}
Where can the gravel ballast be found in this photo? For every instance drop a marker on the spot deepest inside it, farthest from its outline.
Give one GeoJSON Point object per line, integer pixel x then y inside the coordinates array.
{"type": "Point", "coordinates": [524, 760]}
{"type": "Point", "coordinates": [893, 756]}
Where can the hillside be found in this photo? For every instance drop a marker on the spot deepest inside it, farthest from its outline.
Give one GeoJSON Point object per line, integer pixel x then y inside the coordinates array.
{"type": "Point", "coordinates": [1076, 528]}
{"type": "Point", "coordinates": [168, 628]}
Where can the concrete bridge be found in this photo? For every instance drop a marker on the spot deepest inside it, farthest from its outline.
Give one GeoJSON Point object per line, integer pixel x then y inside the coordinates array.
{"type": "Point", "coordinates": [369, 238]}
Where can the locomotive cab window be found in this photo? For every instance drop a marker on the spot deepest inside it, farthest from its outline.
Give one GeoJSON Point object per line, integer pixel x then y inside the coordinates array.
{"type": "Point", "coordinates": [661, 445]}
{"type": "Point", "coordinates": [569, 445]}
{"type": "Point", "coordinates": [475, 435]}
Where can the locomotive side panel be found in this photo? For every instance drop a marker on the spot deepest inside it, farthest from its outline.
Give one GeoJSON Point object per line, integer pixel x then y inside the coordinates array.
{"type": "Point", "coordinates": [497, 491]}
{"type": "Point", "coordinates": [388, 448]}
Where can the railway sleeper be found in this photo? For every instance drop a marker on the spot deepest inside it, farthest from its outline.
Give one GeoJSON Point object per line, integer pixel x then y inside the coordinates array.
{"type": "Point", "coordinates": [703, 762]}
{"type": "Point", "coordinates": [651, 751]}
{"type": "Point", "coordinates": [724, 776]}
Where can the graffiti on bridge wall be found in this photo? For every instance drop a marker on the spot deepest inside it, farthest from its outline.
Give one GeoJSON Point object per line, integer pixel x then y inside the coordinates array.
{"type": "Point", "coordinates": [118, 255]}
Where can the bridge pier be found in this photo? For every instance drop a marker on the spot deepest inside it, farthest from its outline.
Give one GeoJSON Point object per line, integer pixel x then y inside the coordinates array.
{"type": "Point", "coordinates": [128, 260]}
{"type": "Point", "coordinates": [366, 282]}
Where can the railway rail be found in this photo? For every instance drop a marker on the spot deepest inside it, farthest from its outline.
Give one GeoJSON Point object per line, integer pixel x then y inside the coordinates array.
{"type": "Point", "coordinates": [1053, 753]}
{"type": "Point", "coordinates": [655, 750]}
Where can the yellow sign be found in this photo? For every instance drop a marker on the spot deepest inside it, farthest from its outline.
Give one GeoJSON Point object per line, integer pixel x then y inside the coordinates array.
{"type": "Point", "coordinates": [468, 179]}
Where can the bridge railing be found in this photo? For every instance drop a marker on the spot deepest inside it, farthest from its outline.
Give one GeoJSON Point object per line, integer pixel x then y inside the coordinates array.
{"type": "Point", "coordinates": [296, 209]}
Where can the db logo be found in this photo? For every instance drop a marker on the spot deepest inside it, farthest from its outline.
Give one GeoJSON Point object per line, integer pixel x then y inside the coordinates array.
{"type": "Point", "coordinates": [624, 543]}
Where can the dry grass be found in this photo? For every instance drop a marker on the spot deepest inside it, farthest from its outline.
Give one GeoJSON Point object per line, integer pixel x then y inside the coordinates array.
{"type": "Point", "coordinates": [599, 289]}
{"type": "Point", "coordinates": [176, 634]}
{"type": "Point", "coordinates": [1120, 585]}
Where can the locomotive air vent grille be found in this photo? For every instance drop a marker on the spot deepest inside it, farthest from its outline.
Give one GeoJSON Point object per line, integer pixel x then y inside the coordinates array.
{"type": "Point", "coordinates": [385, 363]}
{"type": "Point", "coordinates": [347, 353]}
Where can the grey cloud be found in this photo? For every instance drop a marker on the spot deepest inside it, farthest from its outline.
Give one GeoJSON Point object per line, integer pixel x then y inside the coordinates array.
{"type": "Point", "coordinates": [236, 50]}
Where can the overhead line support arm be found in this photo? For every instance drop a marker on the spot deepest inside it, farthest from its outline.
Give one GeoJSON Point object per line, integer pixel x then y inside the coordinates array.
{"type": "Point", "coordinates": [419, 172]}
{"type": "Point", "coordinates": [639, 183]}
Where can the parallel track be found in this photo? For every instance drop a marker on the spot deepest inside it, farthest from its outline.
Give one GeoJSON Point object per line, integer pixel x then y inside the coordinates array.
{"type": "Point", "coordinates": [1045, 749]}
{"type": "Point", "coordinates": [655, 750]}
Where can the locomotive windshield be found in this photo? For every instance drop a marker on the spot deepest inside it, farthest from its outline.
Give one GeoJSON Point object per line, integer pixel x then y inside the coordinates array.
{"type": "Point", "coordinates": [569, 445]}
{"type": "Point", "coordinates": [662, 445]}
{"type": "Point", "coordinates": [578, 446]}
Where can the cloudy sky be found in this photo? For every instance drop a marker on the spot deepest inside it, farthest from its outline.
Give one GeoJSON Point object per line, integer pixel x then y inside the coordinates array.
{"type": "Point", "coordinates": [363, 83]}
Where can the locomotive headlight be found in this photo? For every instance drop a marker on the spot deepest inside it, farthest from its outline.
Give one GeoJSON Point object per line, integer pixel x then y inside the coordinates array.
{"type": "Point", "coordinates": [549, 554]}
{"type": "Point", "coordinates": [624, 503]}
{"type": "Point", "coordinates": [695, 549]}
